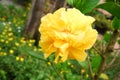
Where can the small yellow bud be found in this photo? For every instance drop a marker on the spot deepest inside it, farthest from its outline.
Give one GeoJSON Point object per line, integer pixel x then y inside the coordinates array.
{"type": "Point", "coordinates": [22, 40]}
{"type": "Point", "coordinates": [72, 66]}
{"type": "Point", "coordinates": [83, 71]}
{"type": "Point", "coordinates": [2, 40]}
{"type": "Point", "coordinates": [17, 44]}
{"type": "Point", "coordinates": [10, 34]}
{"type": "Point", "coordinates": [24, 15]}
{"type": "Point", "coordinates": [35, 49]}
{"type": "Point", "coordinates": [3, 33]}
{"type": "Point", "coordinates": [6, 42]}
{"type": "Point", "coordinates": [29, 44]}
{"type": "Point", "coordinates": [49, 63]}
{"type": "Point", "coordinates": [0, 48]}
{"type": "Point", "coordinates": [87, 75]}
{"type": "Point", "coordinates": [40, 49]}
{"type": "Point", "coordinates": [32, 41]}
{"type": "Point", "coordinates": [17, 58]}
{"type": "Point", "coordinates": [10, 39]}
{"type": "Point", "coordinates": [9, 29]}
{"type": "Point", "coordinates": [61, 72]}
{"type": "Point", "coordinates": [69, 63]}
{"type": "Point", "coordinates": [3, 19]}
{"type": "Point", "coordinates": [11, 51]}
{"type": "Point", "coordinates": [4, 53]}
{"type": "Point", "coordinates": [21, 59]}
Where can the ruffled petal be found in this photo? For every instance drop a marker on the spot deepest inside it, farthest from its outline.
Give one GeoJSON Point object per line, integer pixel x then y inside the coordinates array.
{"type": "Point", "coordinates": [68, 33]}
{"type": "Point", "coordinates": [77, 54]}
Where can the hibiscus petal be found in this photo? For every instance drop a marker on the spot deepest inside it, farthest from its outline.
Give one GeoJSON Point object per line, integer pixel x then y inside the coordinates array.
{"type": "Point", "coordinates": [78, 54]}
{"type": "Point", "coordinates": [89, 39]}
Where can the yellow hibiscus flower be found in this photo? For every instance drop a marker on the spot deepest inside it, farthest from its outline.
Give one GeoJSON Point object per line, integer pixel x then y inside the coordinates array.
{"type": "Point", "coordinates": [68, 33]}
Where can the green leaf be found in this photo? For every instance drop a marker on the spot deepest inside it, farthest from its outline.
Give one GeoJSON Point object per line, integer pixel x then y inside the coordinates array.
{"type": "Point", "coordinates": [84, 64]}
{"type": "Point", "coordinates": [95, 61]}
{"type": "Point", "coordinates": [115, 1]}
{"type": "Point", "coordinates": [116, 23]}
{"type": "Point", "coordinates": [110, 0]}
{"type": "Point", "coordinates": [70, 2]}
{"type": "Point", "coordinates": [28, 51]}
{"type": "Point", "coordinates": [104, 76]}
{"type": "Point", "coordinates": [107, 37]}
{"type": "Point", "coordinates": [84, 6]}
{"type": "Point", "coordinates": [119, 41]}
{"type": "Point", "coordinates": [111, 7]}
{"type": "Point", "coordinates": [36, 55]}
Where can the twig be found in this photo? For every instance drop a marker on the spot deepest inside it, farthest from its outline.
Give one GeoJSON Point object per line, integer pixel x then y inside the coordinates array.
{"type": "Point", "coordinates": [115, 65]}
{"type": "Point", "coordinates": [117, 49]}
{"type": "Point", "coordinates": [96, 50]}
{"type": "Point", "coordinates": [89, 65]}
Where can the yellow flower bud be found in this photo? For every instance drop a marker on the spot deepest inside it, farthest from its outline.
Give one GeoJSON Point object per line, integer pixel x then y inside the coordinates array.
{"type": "Point", "coordinates": [40, 49]}
{"type": "Point", "coordinates": [17, 44]}
{"type": "Point", "coordinates": [17, 58]}
{"type": "Point", "coordinates": [4, 53]}
{"type": "Point", "coordinates": [31, 41]}
{"type": "Point", "coordinates": [69, 63]}
{"type": "Point", "coordinates": [49, 63]}
{"type": "Point", "coordinates": [29, 44]}
{"type": "Point", "coordinates": [3, 33]}
{"type": "Point", "coordinates": [6, 42]}
{"type": "Point", "coordinates": [9, 29]}
{"type": "Point", "coordinates": [10, 39]}
{"type": "Point", "coordinates": [87, 75]}
{"type": "Point", "coordinates": [35, 49]}
{"type": "Point", "coordinates": [11, 51]}
{"type": "Point", "coordinates": [21, 59]}
{"type": "Point", "coordinates": [83, 71]}
{"type": "Point", "coordinates": [22, 41]}
{"type": "Point", "coordinates": [0, 48]}
{"type": "Point", "coordinates": [72, 66]}
{"type": "Point", "coordinates": [10, 34]}
{"type": "Point", "coordinates": [2, 40]}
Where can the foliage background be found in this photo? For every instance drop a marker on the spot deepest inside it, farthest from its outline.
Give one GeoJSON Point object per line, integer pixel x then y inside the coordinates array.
{"type": "Point", "coordinates": [21, 59]}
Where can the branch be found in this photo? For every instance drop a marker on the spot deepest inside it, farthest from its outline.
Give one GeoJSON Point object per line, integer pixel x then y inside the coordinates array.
{"type": "Point", "coordinates": [110, 46]}
{"type": "Point", "coordinates": [108, 50]}
{"type": "Point", "coordinates": [98, 51]}
{"type": "Point", "coordinates": [112, 61]}
{"type": "Point", "coordinates": [59, 4]}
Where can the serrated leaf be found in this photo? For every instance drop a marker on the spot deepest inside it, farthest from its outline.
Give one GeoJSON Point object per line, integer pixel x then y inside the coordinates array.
{"type": "Point", "coordinates": [116, 23]}
{"type": "Point", "coordinates": [84, 6]}
{"type": "Point", "coordinates": [111, 7]}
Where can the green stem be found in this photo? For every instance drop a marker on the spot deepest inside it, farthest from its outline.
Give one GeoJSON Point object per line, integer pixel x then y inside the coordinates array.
{"type": "Point", "coordinates": [53, 65]}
